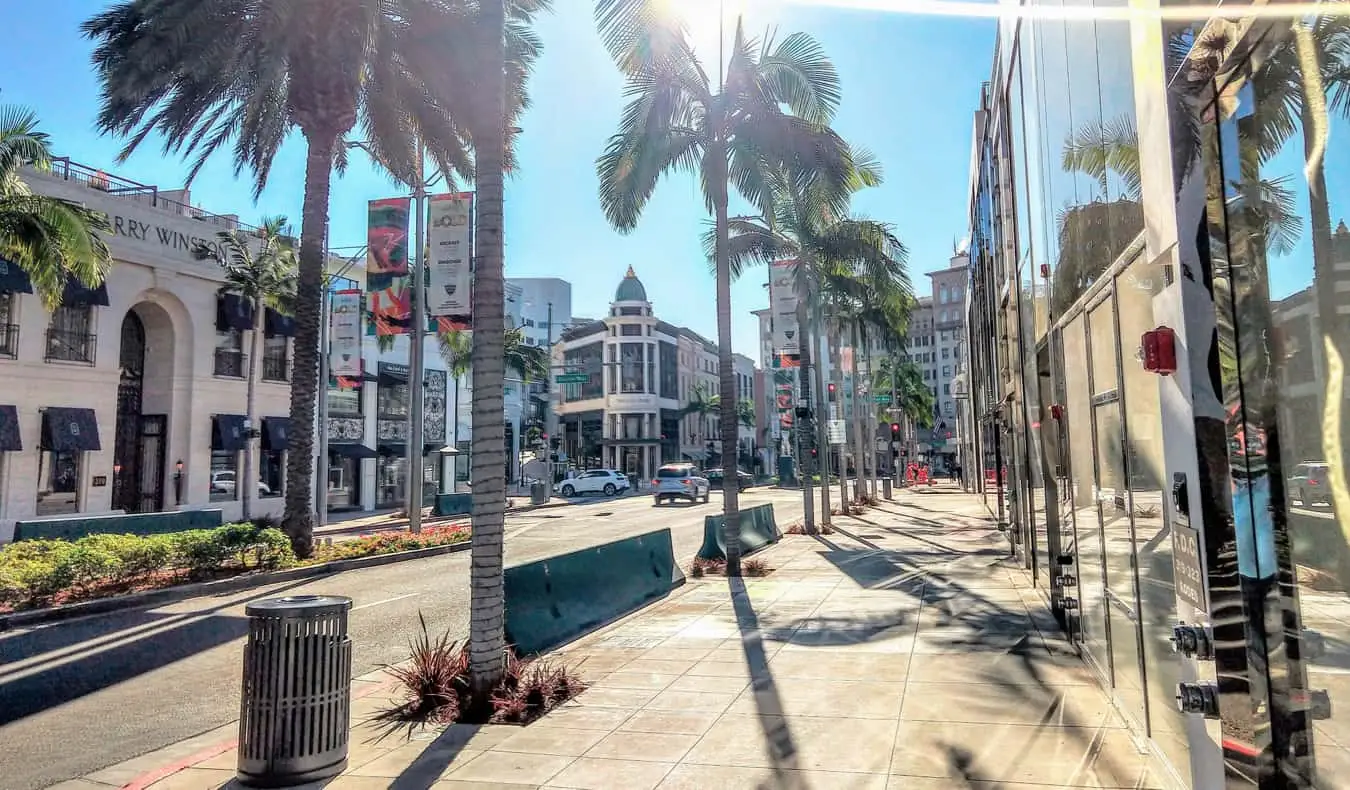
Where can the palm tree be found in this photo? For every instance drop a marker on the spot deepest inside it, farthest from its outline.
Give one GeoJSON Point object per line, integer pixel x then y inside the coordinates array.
{"type": "Point", "coordinates": [263, 279]}
{"type": "Point", "coordinates": [456, 348]}
{"type": "Point", "coordinates": [734, 134]}
{"type": "Point", "coordinates": [701, 404]}
{"type": "Point", "coordinates": [835, 255]}
{"type": "Point", "coordinates": [50, 239]}
{"type": "Point", "coordinates": [242, 74]}
{"type": "Point", "coordinates": [529, 363]}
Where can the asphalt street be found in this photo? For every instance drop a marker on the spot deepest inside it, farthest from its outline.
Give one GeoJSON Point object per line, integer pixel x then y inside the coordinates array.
{"type": "Point", "coordinates": [79, 696]}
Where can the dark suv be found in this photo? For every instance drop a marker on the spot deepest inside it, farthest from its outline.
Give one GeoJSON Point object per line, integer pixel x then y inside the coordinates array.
{"type": "Point", "coordinates": [744, 480]}
{"type": "Point", "coordinates": [1309, 483]}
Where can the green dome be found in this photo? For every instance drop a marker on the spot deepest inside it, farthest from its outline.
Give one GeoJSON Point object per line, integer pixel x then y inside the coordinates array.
{"type": "Point", "coordinates": [630, 289]}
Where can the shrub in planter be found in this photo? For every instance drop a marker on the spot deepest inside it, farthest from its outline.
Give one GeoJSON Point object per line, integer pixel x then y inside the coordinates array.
{"type": "Point", "coordinates": [91, 563]}
{"type": "Point", "coordinates": [34, 569]}
{"type": "Point", "coordinates": [199, 551]}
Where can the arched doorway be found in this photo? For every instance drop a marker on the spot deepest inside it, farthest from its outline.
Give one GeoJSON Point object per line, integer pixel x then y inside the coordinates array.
{"type": "Point", "coordinates": [138, 445]}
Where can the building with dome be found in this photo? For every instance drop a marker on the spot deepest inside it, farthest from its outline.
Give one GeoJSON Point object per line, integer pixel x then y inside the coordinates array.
{"type": "Point", "coordinates": [639, 374]}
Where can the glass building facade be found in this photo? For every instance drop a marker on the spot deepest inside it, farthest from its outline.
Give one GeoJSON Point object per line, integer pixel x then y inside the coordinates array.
{"type": "Point", "coordinates": [1159, 329]}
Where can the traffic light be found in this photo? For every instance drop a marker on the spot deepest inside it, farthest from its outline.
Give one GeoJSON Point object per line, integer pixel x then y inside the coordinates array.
{"type": "Point", "coordinates": [831, 390]}
{"type": "Point", "coordinates": [895, 431]}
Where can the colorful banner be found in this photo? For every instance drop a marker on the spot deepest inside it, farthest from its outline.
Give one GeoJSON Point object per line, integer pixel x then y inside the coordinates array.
{"type": "Point", "coordinates": [783, 307]}
{"type": "Point", "coordinates": [344, 343]}
{"type": "Point", "coordinates": [389, 297]}
{"type": "Point", "coordinates": [387, 236]}
{"type": "Point", "coordinates": [450, 279]}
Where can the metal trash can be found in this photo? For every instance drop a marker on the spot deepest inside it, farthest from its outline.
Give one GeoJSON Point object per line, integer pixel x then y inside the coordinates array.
{"type": "Point", "coordinates": [295, 709]}
{"type": "Point", "coordinates": [886, 487]}
{"type": "Point", "coordinates": [538, 493]}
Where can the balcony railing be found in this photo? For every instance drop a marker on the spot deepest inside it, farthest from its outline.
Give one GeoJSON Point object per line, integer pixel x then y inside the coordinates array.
{"type": "Point", "coordinates": [274, 367]}
{"type": "Point", "coordinates": [9, 341]}
{"type": "Point", "coordinates": [63, 346]}
{"type": "Point", "coordinates": [230, 362]}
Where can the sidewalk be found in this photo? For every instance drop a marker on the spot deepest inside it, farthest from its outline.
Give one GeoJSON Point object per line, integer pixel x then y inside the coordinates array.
{"type": "Point", "coordinates": [902, 651]}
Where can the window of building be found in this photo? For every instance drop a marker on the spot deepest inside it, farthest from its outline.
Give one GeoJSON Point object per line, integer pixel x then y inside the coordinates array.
{"type": "Point", "coordinates": [946, 389]}
{"type": "Point", "coordinates": [630, 367]}
{"type": "Point", "coordinates": [392, 401]}
{"type": "Point", "coordinates": [9, 326]}
{"type": "Point", "coordinates": [630, 330]}
{"type": "Point", "coordinates": [344, 402]}
{"type": "Point", "coordinates": [946, 370]}
{"type": "Point", "coordinates": [229, 359]}
{"type": "Point", "coordinates": [70, 336]}
{"type": "Point", "coordinates": [956, 352]}
{"type": "Point", "coordinates": [58, 483]}
{"type": "Point", "coordinates": [651, 368]}
{"type": "Point", "coordinates": [949, 408]}
{"type": "Point", "coordinates": [271, 465]}
{"type": "Point", "coordinates": [611, 351]}
{"type": "Point", "coordinates": [945, 353]}
{"type": "Point", "coordinates": [275, 350]}
{"type": "Point", "coordinates": [224, 475]}
{"type": "Point", "coordinates": [946, 293]}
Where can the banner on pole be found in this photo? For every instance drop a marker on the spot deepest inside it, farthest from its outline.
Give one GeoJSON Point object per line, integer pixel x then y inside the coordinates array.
{"type": "Point", "coordinates": [783, 307]}
{"type": "Point", "coordinates": [388, 299]}
{"type": "Point", "coordinates": [344, 343]}
{"type": "Point", "coordinates": [450, 287]}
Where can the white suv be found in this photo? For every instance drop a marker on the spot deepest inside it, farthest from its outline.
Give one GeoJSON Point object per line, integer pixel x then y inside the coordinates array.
{"type": "Point", "coordinates": [680, 481]}
{"type": "Point", "coordinates": [595, 481]}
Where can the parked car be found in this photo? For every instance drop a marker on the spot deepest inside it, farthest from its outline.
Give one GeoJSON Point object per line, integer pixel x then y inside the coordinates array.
{"type": "Point", "coordinates": [1309, 483]}
{"type": "Point", "coordinates": [594, 481]}
{"type": "Point", "coordinates": [715, 477]}
{"type": "Point", "coordinates": [223, 482]}
{"type": "Point", "coordinates": [680, 481]}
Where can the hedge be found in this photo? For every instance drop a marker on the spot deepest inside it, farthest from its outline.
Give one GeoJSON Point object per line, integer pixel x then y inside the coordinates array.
{"type": "Point", "coordinates": [33, 571]}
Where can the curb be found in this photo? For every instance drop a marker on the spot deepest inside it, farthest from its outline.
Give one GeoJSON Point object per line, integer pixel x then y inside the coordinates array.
{"type": "Point", "coordinates": [182, 592]}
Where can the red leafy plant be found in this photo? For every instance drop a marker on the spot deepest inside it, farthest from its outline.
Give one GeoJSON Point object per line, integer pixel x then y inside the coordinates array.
{"type": "Point", "coordinates": [702, 567]}
{"type": "Point", "coordinates": [435, 682]}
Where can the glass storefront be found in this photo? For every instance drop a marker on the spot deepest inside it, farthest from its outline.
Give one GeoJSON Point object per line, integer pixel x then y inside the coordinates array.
{"type": "Point", "coordinates": [1279, 197]}
{"type": "Point", "coordinates": [1106, 459]}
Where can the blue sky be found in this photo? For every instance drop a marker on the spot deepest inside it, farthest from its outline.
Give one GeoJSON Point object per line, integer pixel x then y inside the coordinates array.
{"type": "Point", "coordinates": [910, 88]}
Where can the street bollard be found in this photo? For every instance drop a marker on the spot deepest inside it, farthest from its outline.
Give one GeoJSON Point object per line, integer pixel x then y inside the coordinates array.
{"type": "Point", "coordinates": [295, 708]}
{"type": "Point", "coordinates": [886, 487]}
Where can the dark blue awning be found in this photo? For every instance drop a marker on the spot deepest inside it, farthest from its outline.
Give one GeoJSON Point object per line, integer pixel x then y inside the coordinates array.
{"type": "Point", "coordinates": [278, 324]}
{"type": "Point", "coordinates": [16, 280]}
{"type": "Point", "coordinates": [276, 433]}
{"type": "Point", "coordinates": [227, 433]}
{"type": "Point", "coordinates": [233, 312]}
{"type": "Point", "coordinates": [9, 429]}
{"type": "Point", "coordinates": [13, 279]}
{"type": "Point", "coordinates": [357, 451]}
{"type": "Point", "coordinates": [70, 430]}
{"type": "Point", "coordinates": [77, 293]}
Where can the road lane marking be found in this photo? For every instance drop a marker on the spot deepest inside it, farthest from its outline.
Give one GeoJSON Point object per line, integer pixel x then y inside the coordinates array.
{"type": "Point", "coordinates": [385, 601]}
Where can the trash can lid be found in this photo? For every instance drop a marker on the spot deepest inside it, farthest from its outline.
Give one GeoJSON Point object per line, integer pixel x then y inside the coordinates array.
{"type": "Point", "coordinates": [299, 606]}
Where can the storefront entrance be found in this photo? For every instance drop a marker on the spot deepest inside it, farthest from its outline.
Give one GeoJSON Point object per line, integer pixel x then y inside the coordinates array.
{"type": "Point", "coordinates": [138, 443]}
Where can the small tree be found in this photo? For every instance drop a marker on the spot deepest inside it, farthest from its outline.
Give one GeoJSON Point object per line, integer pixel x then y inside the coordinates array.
{"type": "Point", "coordinates": [265, 278]}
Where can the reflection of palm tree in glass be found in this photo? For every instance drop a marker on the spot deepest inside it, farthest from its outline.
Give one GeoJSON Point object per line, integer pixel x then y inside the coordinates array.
{"type": "Point", "coordinates": [1093, 234]}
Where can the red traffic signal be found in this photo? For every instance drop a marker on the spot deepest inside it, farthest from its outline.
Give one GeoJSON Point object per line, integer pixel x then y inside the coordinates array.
{"type": "Point", "coordinates": [895, 429]}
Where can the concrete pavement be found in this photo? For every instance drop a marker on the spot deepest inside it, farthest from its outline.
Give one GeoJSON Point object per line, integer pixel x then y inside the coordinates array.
{"type": "Point", "coordinates": [902, 651]}
{"type": "Point", "coordinates": [66, 689]}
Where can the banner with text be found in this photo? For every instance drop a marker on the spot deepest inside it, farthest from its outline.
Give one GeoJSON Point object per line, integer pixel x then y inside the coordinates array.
{"type": "Point", "coordinates": [450, 281]}
{"type": "Point", "coordinates": [344, 340]}
{"type": "Point", "coordinates": [389, 298]}
{"type": "Point", "coordinates": [783, 307]}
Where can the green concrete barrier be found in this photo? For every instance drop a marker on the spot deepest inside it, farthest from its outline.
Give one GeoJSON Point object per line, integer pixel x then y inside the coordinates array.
{"type": "Point", "coordinates": [452, 505]}
{"type": "Point", "coordinates": [758, 529]}
{"type": "Point", "coordinates": [552, 601]}
{"type": "Point", "coordinates": [76, 527]}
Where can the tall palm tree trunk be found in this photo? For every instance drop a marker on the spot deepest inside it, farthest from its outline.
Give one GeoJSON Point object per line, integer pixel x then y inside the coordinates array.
{"type": "Point", "coordinates": [822, 409]}
{"type": "Point", "coordinates": [837, 377]}
{"type": "Point", "coordinates": [803, 425]}
{"type": "Point", "coordinates": [859, 462]}
{"type": "Point", "coordinates": [249, 479]}
{"type": "Point", "coordinates": [298, 522]}
{"type": "Point", "coordinates": [867, 413]}
{"type": "Point", "coordinates": [726, 373]}
{"type": "Point", "coordinates": [487, 636]}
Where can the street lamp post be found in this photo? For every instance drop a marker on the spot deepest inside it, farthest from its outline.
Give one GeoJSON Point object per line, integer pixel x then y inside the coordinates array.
{"type": "Point", "coordinates": [415, 336]}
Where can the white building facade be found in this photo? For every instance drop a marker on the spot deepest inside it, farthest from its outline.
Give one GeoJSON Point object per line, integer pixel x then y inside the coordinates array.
{"type": "Point", "coordinates": [131, 395]}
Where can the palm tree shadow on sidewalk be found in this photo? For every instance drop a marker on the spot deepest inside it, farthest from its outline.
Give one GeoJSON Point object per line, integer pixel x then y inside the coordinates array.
{"type": "Point", "coordinates": [768, 705]}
